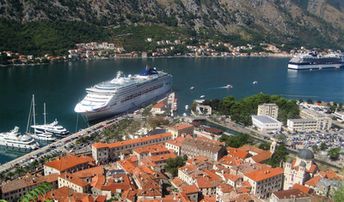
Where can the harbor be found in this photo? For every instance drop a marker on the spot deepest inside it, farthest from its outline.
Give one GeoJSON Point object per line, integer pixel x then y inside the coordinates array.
{"type": "Point", "coordinates": [57, 147]}
{"type": "Point", "coordinates": [207, 76]}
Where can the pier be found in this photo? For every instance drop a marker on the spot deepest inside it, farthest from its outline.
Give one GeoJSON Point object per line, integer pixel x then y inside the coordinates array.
{"type": "Point", "coordinates": [57, 146]}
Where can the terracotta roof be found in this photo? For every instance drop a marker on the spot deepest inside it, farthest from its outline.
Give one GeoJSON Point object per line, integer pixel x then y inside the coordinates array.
{"type": "Point", "coordinates": [243, 190]}
{"type": "Point", "coordinates": [246, 184]}
{"type": "Point", "coordinates": [225, 188]}
{"type": "Point", "coordinates": [213, 176]}
{"type": "Point", "coordinates": [64, 194]}
{"type": "Point", "coordinates": [98, 181]}
{"type": "Point", "coordinates": [27, 181]}
{"type": "Point", "coordinates": [67, 162]}
{"type": "Point", "coordinates": [177, 182]}
{"type": "Point", "coordinates": [264, 174]}
{"type": "Point", "coordinates": [117, 182]}
{"type": "Point", "coordinates": [161, 158]}
{"type": "Point", "coordinates": [209, 199]}
{"type": "Point", "coordinates": [100, 199]}
{"type": "Point", "coordinates": [159, 105]}
{"type": "Point", "coordinates": [302, 188]}
{"type": "Point", "coordinates": [331, 175]}
{"type": "Point", "coordinates": [131, 141]}
{"type": "Point", "coordinates": [313, 181]}
{"type": "Point", "coordinates": [239, 153]}
{"type": "Point", "coordinates": [202, 144]}
{"type": "Point", "coordinates": [177, 142]}
{"type": "Point", "coordinates": [231, 177]}
{"type": "Point", "coordinates": [252, 149]}
{"type": "Point", "coordinates": [290, 194]}
{"type": "Point", "coordinates": [127, 165]}
{"type": "Point", "coordinates": [73, 179]}
{"type": "Point", "coordinates": [188, 189]}
{"type": "Point", "coordinates": [261, 157]}
{"type": "Point", "coordinates": [158, 148]}
{"type": "Point", "coordinates": [181, 126]}
{"type": "Point", "coordinates": [90, 172]}
{"type": "Point", "coordinates": [230, 160]}
{"type": "Point", "coordinates": [206, 182]}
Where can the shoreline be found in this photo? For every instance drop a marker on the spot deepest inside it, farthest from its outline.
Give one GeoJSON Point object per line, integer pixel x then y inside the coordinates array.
{"type": "Point", "coordinates": [142, 58]}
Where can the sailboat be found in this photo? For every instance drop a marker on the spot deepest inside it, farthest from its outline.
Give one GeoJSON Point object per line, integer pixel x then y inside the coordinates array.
{"type": "Point", "coordinates": [38, 135]}
{"type": "Point", "coordinates": [52, 127]}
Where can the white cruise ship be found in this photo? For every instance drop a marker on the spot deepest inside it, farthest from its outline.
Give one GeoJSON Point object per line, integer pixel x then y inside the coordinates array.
{"type": "Point", "coordinates": [15, 140]}
{"type": "Point", "coordinates": [124, 94]}
{"type": "Point", "coordinates": [313, 60]}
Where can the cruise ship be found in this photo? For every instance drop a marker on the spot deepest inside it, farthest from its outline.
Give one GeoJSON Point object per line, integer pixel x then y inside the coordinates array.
{"type": "Point", "coordinates": [313, 60]}
{"type": "Point", "coordinates": [15, 140]}
{"type": "Point", "coordinates": [124, 93]}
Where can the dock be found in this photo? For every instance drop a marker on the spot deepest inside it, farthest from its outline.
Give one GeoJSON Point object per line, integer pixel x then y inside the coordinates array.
{"type": "Point", "coordinates": [57, 146]}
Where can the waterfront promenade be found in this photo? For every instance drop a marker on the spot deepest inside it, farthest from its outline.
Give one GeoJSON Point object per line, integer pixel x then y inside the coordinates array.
{"type": "Point", "coordinates": [57, 146]}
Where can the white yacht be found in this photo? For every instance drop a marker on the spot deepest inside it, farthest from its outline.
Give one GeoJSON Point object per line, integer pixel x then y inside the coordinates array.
{"type": "Point", "coordinates": [37, 134]}
{"type": "Point", "coordinates": [15, 140]}
{"type": "Point", "coordinates": [123, 94]}
{"type": "Point", "coordinates": [54, 128]}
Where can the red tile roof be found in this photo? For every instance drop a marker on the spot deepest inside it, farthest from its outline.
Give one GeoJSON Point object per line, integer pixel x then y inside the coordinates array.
{"type": "Point", "coordinates": [131, 141]}
{"type": "Point", "coordinates": [237, 152]}
{"type": "Point", "coordinates": [67, 162]}
{"type": "Point", "coordinates": [159, 105]}
{"type": "Point", "coordinates": [231, 177]}
{"type": "Point", "coordinates": [290, 194]}
{"type": "Point", "coordinates": [261, 157]}
{"type": "Point", "coordinates": [151, 149]}
{"type": "Point", "coordinates": [302, 188]}
{"type": "Point", "coordinates": [181, 126]}
{"type": "Point", "coordinates": [90, 172]}
{"type": "Point", "coordinates": [264, 174]}
{"type": "Point", "coordinates": [225, 188]}
{"type": "Point", "coordinates": [73, 179]}
{"type": "Point", "coordinates": [313, 181]}
{"type": "Point", "coordinates": [177, 142]}
{"type": "Point", "coordinates": [189, 189]}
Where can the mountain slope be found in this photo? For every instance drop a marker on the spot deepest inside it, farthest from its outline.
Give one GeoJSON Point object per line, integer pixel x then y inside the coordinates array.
{"type": "Point", "coordinates": [317, 23]}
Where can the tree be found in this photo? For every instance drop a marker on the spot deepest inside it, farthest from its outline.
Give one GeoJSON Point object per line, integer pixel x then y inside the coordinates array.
{"type": "Point", "coordinates": [323, 146]}
{"type": "Point", "coordinates": [264, 145]}
{"type": "Point", "coordinates": [173, 164]}
{"type": "Point", "coordinates": [40, 190]}
{"type": "Point", "coordinates": [236, 140]}
{"type": "Point", "coordinates": [279, 156]}
{"type": "Point", "coordinates": [339, 194]}
{"type": "Point", "coordinates": [334, 153]}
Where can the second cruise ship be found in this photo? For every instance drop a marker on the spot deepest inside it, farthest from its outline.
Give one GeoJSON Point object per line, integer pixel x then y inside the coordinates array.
{"type": "Point", "coordinates": [313, 60]}
{"type": "Point", "coordinates": [124, 93]}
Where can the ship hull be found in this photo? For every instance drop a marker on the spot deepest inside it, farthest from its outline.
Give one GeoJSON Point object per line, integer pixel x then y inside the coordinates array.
{"type": "Point", "coordinates": [311, 67]}
{"type": "Point", "coordinates": [129, 106]}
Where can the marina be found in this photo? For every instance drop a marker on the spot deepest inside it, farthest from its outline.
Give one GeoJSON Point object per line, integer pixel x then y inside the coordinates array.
{"type": "Point", "coordinates": [64, 84]}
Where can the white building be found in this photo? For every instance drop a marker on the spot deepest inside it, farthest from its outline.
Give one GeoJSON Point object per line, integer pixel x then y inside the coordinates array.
{"type": "Point", "coordinates": [299, 170]}
{"type": "Point", "coordinates": [323, 122]}
{"type": "Point", "coordinates": [339, 116]}
{"type": "Point", "coordinates": [266, 124]}
{"type": "Point", "coordinates": [302, 125]}
{"type": "Point", "coordinates": [268, 109]}
{"type": "Point", "coordinates": [264, 182]}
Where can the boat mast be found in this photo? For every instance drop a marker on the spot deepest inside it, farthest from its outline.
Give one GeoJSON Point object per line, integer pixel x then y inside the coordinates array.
{"type": "Point", "coordinates": [45, 115]}
{"type": "Point", "coordinates": [29, 118]}
{"type": "Point", "coordinates": [33, 112]}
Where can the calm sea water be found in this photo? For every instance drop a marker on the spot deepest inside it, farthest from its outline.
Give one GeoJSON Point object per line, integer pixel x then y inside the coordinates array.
{"type": "Point", "coordinates": [61, 86]}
